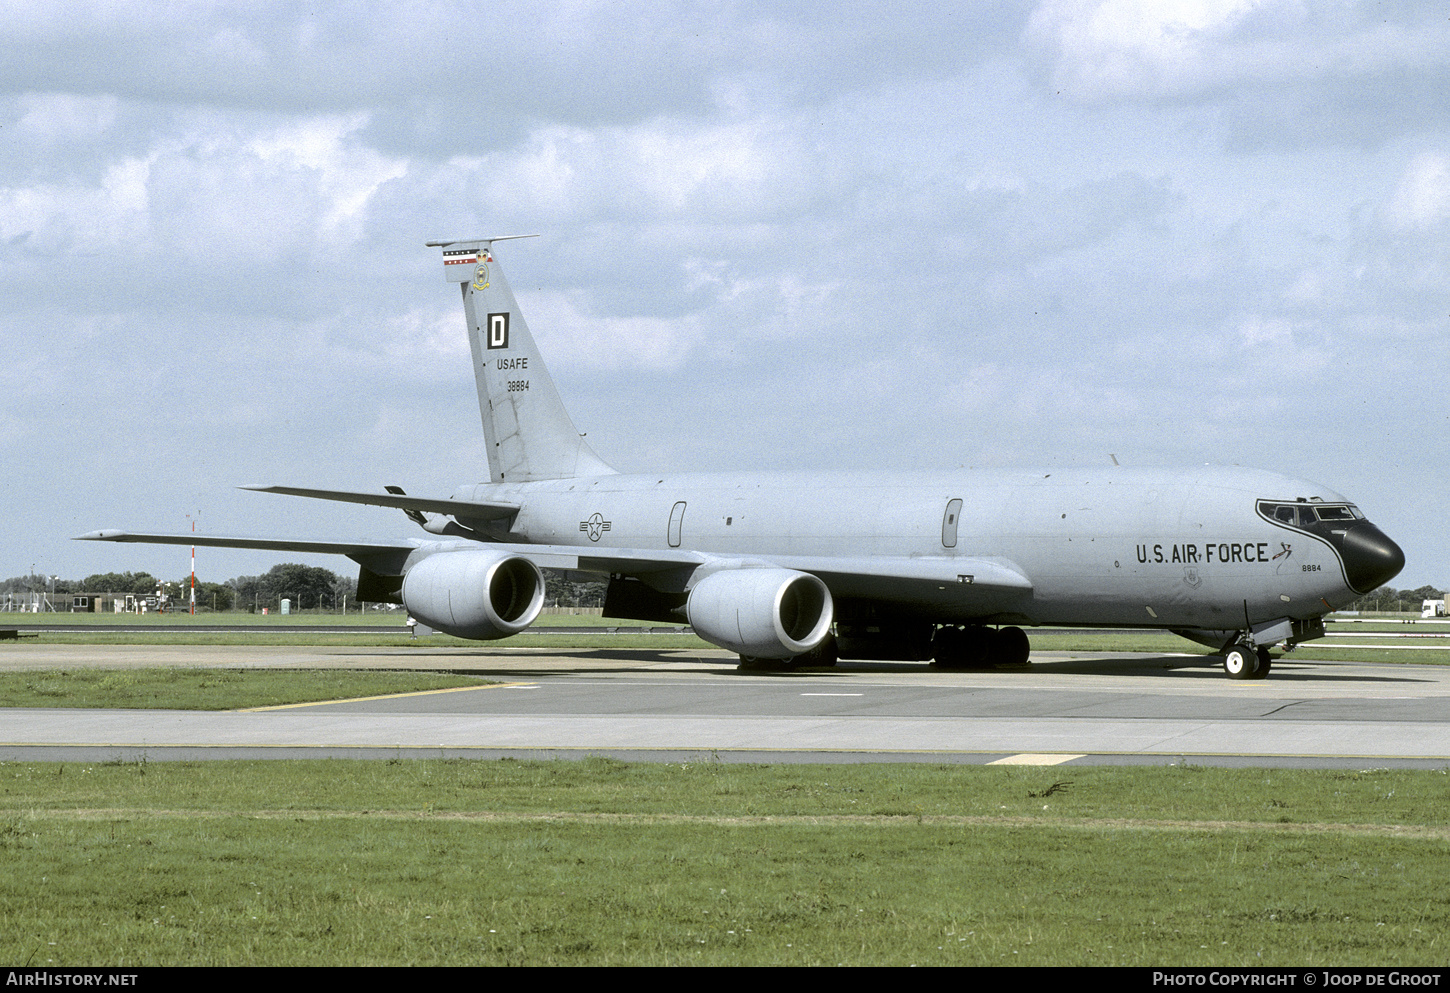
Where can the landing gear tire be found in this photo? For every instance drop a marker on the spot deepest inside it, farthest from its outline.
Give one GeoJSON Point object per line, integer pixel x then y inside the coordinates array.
{"type": "Point", "coordinates": [979, 648]}
{"type": "Point", "coordinates": [1012, 646]}
{"type": "Point", "coordinates": [964, 648]}
{"type": "Point", "coordinates": [1266, 662]}
{"type": "Point", "coordinates": [753, 663]}
{"type": "Point", "coordinates": [948, 649]}
{"type": "Point", "coordinates": [1240, 661]}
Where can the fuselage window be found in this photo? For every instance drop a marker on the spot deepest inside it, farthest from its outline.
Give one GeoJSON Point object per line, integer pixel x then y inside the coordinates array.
{"type": "Point", "coordinates": [949, 523]}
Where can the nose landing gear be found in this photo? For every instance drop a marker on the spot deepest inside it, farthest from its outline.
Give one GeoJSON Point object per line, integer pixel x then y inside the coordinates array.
{"type": "Point", "coordinates": [1242, 660]}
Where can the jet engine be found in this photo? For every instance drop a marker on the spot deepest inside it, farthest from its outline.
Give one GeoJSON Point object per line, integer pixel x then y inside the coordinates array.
{"type": "Point", "coordinates": [474, 594]}
{"type": "Point", "coordinates": [762, 613]}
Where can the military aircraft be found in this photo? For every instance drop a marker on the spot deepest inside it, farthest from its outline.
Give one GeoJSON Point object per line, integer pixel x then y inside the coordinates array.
{"type": "Point", "coordinates": [799, 569]}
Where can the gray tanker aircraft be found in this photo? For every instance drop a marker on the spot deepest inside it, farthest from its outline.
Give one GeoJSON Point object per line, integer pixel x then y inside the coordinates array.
{"type": "Point", "coordinates": [801, 568]}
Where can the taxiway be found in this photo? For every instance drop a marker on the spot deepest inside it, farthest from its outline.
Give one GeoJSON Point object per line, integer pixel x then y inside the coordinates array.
{"type": "Point", "coordinates": [1073, 707]}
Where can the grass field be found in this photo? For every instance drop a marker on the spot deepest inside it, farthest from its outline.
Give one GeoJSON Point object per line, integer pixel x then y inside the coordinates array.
{"type": "Point", "coordinates": [181, 688]}
{"type": "Point", "coordinates": [173, 629]}
{"type": "Point", "coordinates": [603, 862]}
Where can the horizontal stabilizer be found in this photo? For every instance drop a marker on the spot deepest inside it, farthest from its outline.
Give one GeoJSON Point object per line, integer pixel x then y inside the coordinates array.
{"type": "Point", "coordinates": [461, 255]}
{"type": "Point", "coordinates": [490, 510]}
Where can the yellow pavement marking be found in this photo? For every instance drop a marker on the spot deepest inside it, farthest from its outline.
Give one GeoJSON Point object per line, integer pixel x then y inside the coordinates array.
{"type": "Point", "coordinates": [384, 696]}
{"type": "Point", "coordinates": [1035, 758]}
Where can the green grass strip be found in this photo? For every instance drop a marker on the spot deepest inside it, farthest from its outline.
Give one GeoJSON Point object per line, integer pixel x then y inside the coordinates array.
{"type": "Point", "coordinates": [181, 688]}
{"type": "Point", "coordinates": [602, 862]}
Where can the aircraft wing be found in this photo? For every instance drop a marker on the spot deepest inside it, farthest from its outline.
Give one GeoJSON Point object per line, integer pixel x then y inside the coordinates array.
{"type": "Point", "coordinates": [391, 555]}
{"type": "Point", "coordinates": [848, 576]}
{"type": "Point", "coordinates": [320, 547]}
{"type": "Point", "coordinates": [901, 579]}
{"type": "Point", "coordinates": [626, 561]}
{"type": "Point", "coordinates": [474, 510]}
{"type": "Point", "coordinates": [949, 585]}
{"type": "Point", "coordinates": [990, 583]}
{"type": "Point", "coordinates": [623, 560]}
{"type": "Point", "coordinates": [874, 575]}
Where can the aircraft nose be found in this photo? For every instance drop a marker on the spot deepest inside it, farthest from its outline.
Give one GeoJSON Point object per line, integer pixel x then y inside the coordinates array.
{"type": "Point", "coordinates": [1371, 559]}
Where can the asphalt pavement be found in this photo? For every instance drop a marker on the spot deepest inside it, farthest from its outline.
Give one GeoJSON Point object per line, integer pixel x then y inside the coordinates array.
{"type": "Point", "coordinates": [1063, 708]}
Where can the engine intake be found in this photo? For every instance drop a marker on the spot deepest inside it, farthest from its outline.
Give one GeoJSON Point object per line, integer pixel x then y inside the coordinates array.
{"type": "Point", "coordinates": [763, 613]}
{"type": "Point", "coordinates": [474, 594]}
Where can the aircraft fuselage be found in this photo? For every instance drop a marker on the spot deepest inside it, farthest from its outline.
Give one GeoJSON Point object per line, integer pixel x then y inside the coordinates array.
{"type": "Point", "coordinates": [1122, 547]}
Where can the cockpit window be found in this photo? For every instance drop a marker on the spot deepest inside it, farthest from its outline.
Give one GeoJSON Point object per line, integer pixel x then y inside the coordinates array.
{"type": "Point", "coordinates": [1306, 515]}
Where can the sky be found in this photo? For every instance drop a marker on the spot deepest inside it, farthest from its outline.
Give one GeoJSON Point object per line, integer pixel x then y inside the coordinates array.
{"type": "Point", "coordinates": [787, 235]}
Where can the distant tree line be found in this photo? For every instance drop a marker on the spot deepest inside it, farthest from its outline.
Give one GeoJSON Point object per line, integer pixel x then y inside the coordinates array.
{"type": "Point", "coordinates": [560, 592]}
{"type": "Point", "coordinates": [1388, 599]}
{"type": "Point", "coordinates": [308, 587]}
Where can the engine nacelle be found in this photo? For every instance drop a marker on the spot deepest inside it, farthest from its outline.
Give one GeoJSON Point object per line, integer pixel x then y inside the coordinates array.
{"type": "Point", "coordinates": [763, 613]}
{"type": "Point", "coordinates": [475, 593]}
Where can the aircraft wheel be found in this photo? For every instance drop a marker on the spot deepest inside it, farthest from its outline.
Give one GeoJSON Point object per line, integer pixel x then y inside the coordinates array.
{"type": "Point", "coordinates": [970, 647]}
{"type": "Point", "coordinates": [1240, 661]}
{"type": "Point", "coordinates": [1266, 662]}
{"type": "Point", "coordinates": [1012, 646]}
{"type": "Point", "coordinates": [979, 648]}
{"type": "Point", "coordinates": [948, 649]}
{"type": "Point", "coordinates": [752, 663]}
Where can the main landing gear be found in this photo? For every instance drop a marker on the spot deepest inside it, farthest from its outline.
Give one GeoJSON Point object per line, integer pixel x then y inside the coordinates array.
{"type": "Point", "coordinates": [976, 647]}
{"type": "Point", "coordinates": [951, 647]}
{"type": "Point", "coordinates": [1242, 660]}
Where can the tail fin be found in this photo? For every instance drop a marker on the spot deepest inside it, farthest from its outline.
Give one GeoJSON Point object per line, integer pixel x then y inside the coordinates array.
{"type": "Point", "coordinates": [528, 431]}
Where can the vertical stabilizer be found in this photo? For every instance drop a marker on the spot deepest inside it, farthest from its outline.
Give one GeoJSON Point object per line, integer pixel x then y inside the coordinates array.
{"type": "Point", "coordinates": [528, 431]}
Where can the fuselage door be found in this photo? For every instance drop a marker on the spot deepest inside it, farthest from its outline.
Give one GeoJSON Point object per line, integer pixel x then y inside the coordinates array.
{"type": "Point", "coordinates": [949, 523]}
{"type": "Point", "coordinates": [677, 522]}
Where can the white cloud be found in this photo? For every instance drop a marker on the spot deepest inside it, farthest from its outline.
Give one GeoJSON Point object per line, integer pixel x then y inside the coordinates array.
{"type": "Point", "coordinates": [669, 168]}
{"type": "Point", "coordinates": [210, 182]}
{"type": "Point", "coordinates": [1107, 49]}
{"type": "Point", "coordinates": [55, 118]}
{"type": "Point", "coordinates": [1123, 47]}
{"type": "Point", "coordinates": [76, 216]}
{"type": "Point", "coordinates": [1272, 349]}
{"type": "Point", "coordinates": [567, 330]}
{"type": "Point", "coordinates": [349, 173]}
{"type": "Point", "coordinates": [1422, 198]}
